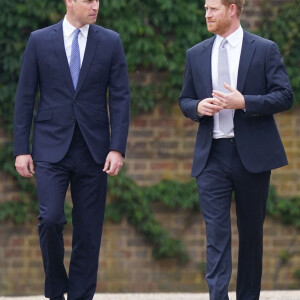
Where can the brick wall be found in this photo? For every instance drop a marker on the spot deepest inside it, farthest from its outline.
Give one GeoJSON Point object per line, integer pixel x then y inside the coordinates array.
{"type": "Point", "coordinates": [126, 263]}
{"type": "Point", "coordinates": [160, 147]}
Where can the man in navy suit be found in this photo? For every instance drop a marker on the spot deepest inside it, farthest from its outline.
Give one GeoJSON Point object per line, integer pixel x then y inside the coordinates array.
{"type": "Point", "coordinates": [79, 137]}
{"type": "Point", "coordinates": [237, 142]}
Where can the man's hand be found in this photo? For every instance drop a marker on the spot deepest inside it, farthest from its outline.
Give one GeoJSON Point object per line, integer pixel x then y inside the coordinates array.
{"type": "Point", "coordinates": [232, 100]}
{"type": "Point", "coordinates": [113, 163]}
{"type": "Point", "coordinates": [209, 106]}
{"type": "Point", "coordinates": [24, 165]}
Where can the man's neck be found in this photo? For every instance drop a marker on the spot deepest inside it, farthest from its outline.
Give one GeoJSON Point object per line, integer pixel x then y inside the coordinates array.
{"type": "Point", "coordinates": [234, 27]}
{"type": "Point", "coordinates": [73, 22]}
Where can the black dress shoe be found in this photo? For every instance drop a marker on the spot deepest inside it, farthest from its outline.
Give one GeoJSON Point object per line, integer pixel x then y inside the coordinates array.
{"type": "Point", "coordinates": [58, 298]}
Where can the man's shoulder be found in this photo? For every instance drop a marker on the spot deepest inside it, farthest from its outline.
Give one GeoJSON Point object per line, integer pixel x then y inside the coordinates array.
{"type": "Point", "coordinates": [104, 32]}
{"type": "Point", "coordinates": [259, 40]}
{"type": "Point", "coordinates": [44, 32]}
{"type": "Point", "coordinates": [48, 28]}
{"type": "Point", "coordinates": [202, 45]}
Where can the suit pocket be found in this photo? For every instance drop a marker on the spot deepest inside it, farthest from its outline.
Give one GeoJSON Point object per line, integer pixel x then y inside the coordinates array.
{"type": "Point", "coordinates": [100, 68]}
{"type": "Point", "coordinates": [100, 65]}
{"type": "Point", "coordinates": [104, 61]}
{"type": "Point", "coordinates": [43, 116]}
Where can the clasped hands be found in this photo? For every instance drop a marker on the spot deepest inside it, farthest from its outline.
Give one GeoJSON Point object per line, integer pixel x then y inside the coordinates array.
{"type": "Point", "coordinates": [232, 100]}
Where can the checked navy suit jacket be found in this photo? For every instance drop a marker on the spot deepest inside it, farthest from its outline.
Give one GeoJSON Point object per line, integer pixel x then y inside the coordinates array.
{"type": "Point", "coordinates": [45, 67]}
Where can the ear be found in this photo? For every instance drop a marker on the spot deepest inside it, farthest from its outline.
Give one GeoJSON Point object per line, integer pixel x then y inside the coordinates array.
{"type": "Point", "coordinates": [232, 9]}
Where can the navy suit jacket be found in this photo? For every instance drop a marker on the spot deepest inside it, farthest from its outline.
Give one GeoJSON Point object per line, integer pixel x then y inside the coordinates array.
{"type": "Point", "coordinates": [263, 80]}
{"type": "Point", "coordinates": [104, 125]}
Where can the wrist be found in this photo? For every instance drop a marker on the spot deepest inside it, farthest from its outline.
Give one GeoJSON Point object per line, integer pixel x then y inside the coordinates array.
{"type": "Point", "coordinates": [243, 103]}
{"type": "Point", "coordinates": [198, 110]}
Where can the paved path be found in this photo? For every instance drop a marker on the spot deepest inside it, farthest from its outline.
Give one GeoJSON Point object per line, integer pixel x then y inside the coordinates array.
{"type": "Point", "coordinates": [272, 295]}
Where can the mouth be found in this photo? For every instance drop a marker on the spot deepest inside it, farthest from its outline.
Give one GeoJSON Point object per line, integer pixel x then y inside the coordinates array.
{"type": "Point", "coordinates": [208, 23]}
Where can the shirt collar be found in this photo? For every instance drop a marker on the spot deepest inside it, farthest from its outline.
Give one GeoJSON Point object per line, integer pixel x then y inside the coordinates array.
{"type": "Point", "coordinates": [233, 39]}
{"type": "Point", "coordinates": [68, 29]}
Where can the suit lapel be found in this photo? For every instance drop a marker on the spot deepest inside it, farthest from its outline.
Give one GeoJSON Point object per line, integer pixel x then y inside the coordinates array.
{"type": "Point", "coordinates": [203, 62]}
{"type": "Point", "coordinates": [90, 49]}
{"type": "Point", "coordinates": [248, 49]}
{"type": "Point", "coordinates": [59, 44]}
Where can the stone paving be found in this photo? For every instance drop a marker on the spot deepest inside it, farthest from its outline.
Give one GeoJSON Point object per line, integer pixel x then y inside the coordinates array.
{"type": "Point", "coordinates": [265, 295]}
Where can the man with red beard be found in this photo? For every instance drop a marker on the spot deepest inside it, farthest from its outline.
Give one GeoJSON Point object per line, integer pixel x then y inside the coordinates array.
{"type": "Point", "coordinates": [233, 85]}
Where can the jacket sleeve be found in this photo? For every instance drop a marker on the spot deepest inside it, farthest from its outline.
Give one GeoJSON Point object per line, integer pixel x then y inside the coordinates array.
{"type": "Point", "coordinates": [188, 101]}
{"type": "Point", "coordinates": [119, 99]}
{"type": "Point", "coordinates": [279, 96]}
{"type": "Point", "coordinates": [25, 99]}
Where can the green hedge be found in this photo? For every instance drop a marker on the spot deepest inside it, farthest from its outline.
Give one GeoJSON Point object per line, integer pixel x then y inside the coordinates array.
{"type": "Point", "coordinates": [282, 25]}
{"type": "Point", "coordinates": [155, 35]}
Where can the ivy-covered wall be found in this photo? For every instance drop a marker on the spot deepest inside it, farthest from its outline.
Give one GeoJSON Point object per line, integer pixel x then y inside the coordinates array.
{"type": "Point", "coordinates": [155, 35]}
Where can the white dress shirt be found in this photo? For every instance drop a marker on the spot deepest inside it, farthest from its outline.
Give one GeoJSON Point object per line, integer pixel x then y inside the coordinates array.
{"type": "Point", "coordinates": [234, 48]}
{"type": "Point", "coordinates": [69, 31]}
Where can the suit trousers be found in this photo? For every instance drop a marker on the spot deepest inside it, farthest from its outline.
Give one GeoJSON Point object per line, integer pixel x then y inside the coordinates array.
{"type": "Point", "coordinates": [88, 184]}
{"type": "Point", "coordinates": [223, 175]}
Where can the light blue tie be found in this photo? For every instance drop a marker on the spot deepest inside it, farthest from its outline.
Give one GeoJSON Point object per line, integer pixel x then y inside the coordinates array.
{"type": "Point", "coordinates": [225, 115]}
{"type": "Point", "coordinates": [75, 59]}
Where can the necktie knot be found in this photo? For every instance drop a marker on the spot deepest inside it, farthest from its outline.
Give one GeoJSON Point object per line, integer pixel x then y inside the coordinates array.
{"type": "Point", "coordinates": [77, 30]}
{"type": "Point", "coordinates": [223, 43]}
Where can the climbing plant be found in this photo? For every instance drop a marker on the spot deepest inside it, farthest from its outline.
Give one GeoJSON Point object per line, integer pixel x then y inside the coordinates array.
{"type": "Point", "coordinates": [281, 24]}
{"type": "Point", "coordinates": [155, 36]}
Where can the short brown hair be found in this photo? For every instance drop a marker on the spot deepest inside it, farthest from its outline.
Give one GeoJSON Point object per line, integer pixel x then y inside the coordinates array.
{"type": "Point", "coordinates": [238, 3]}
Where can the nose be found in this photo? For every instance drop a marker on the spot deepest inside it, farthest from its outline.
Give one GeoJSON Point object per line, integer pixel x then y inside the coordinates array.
{"type": "Point", "coordinates": [95, 5]}
{"type": "Point", "coordinates": [207, 13]}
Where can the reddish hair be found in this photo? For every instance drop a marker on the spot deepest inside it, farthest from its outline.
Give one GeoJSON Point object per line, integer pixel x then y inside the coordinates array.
{"type": "Point", "coordinates": [238, 3]}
